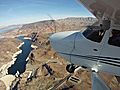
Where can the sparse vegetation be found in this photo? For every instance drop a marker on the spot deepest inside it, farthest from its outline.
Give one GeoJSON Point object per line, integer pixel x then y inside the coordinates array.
{"type": "Point", "coordinates": [44, 55]}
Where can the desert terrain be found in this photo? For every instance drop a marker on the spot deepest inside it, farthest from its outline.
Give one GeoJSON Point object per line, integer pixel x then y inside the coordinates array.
{"type": "Point", "coordinates": [45, 66]}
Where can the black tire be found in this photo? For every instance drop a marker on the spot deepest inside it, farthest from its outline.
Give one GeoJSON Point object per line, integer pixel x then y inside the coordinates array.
{"type": "Point", "coordinates": [70, 68]}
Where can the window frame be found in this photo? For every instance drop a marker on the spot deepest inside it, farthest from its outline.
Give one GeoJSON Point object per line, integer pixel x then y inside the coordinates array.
{"type": "Point", "coordinates": [88, 34]}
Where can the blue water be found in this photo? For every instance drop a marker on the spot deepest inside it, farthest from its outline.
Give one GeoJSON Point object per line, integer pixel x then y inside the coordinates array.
{"type": "Point", "coordinates": [4, 31]}
{"type": "Point", "coordinates": [20, 63]}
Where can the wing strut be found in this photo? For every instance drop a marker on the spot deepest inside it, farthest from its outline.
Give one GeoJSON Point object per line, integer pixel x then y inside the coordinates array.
{"type": "Point", "coordinates": [98, 83]}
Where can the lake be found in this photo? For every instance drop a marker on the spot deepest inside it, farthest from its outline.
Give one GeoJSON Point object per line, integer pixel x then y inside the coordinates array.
{"type": "Point", "coordinates": [20, 63]}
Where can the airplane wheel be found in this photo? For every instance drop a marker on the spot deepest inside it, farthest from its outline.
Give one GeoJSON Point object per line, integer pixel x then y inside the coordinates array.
{"type": "Point", "coordinates": [70, 68]}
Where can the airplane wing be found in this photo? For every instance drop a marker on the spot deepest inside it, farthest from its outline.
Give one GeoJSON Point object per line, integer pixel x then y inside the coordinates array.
{"type": "Point", "coordinates": [104, 8]}
{"type": "Point", "coordinates": [98, 83]}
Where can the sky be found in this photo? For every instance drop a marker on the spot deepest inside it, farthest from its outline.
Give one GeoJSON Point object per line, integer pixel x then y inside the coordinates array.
{"type": "Point", "coordinates": [27, 11]}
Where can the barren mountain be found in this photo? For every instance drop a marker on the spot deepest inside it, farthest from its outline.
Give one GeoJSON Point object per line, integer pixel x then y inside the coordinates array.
{"type": "Point", "coordinates": [50, 26]}
{"type": "Point", "coordinates": [48, 67]}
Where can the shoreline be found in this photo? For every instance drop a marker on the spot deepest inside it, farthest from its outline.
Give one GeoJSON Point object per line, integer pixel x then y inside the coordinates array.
{"type": "Point", "coordinates": [34, 47]}
{"type": "Point", "coordinates": [4, 69]}
{"type": "Point", "coordinates": [5, 77]}
{"type": "Point", "coordinates": [27, 38]}
{"type": "Point", "coordinates": [20, 45]}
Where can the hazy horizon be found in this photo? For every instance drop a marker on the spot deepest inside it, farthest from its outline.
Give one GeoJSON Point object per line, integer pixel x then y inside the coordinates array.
{"type": "Point", "coordinates": [27, 11]}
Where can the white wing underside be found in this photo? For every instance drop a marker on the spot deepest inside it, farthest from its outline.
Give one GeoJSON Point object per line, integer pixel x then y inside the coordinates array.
{"type": "Point", "coordinates": [104, 9]}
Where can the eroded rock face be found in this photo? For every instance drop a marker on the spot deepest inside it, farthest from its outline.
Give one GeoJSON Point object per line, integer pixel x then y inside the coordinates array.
{"type": "Point", "coordinates": [8, 46]}
{"type": "Point", "coordinates": [2, 85]}
{"type": "Point", "coordinates": [45, 70]}
{"type": "Point", "coordinates": [44, 54]}
{"type": "Point", "coordinates": [48, 26]}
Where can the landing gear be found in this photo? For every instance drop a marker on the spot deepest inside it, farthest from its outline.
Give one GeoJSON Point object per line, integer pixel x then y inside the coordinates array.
{"type": "Point", "coordinates": [70, 68]}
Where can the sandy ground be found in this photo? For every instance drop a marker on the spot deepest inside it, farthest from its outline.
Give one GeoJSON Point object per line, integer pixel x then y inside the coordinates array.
{"type": "Point", "coordinates": [9, 47]}
{"type": "Point", "coordinates": [2, 85]}
{"type": "Point", "coordinates": [43, 54]}
{"type": "Point", "coordinates": [8, 80]}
